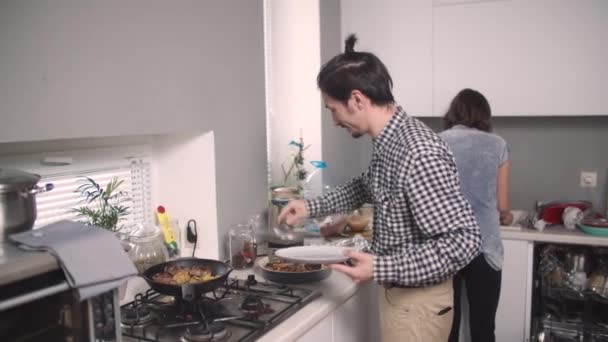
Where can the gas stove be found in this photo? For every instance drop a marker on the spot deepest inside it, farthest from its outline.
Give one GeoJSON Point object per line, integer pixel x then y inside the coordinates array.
{"type": "Point", "coordinates": [239, 310]}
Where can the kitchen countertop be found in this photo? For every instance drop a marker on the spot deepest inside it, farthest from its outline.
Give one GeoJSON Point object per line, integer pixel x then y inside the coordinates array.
{"type": "Point", "coordinates": [336, 289]}
{"type": "Point", "coordinates": [556, 234]}
{"type": "Point", "coordinates": [16, 264]}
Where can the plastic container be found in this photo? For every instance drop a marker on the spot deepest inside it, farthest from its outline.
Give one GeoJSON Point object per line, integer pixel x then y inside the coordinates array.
{"type": "Point", "coordinates": [313, 184]}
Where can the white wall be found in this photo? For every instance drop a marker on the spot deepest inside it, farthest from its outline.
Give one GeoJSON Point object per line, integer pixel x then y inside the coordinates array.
{"type": "Point", "coordinates": [294, 60]}
{"type": "Point", "coordinates": [340, 150]}
{"type": "Point", "coordinates": [186, 187]}
{"type": "Point", "coordinates": [301, 36]}
{"type": "Point", "coordinates": [78, 69]}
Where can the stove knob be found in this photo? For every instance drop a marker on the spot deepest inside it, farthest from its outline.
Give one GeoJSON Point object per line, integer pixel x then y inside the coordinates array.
{"type": "Point", "coordinates": [251, 280]}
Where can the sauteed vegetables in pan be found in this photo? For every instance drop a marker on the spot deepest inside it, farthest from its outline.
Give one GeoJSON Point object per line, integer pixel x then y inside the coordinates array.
{"type": "Point", "coordinates": [291, 267]}
{"type": "Point", "coordinates": [179, 275]}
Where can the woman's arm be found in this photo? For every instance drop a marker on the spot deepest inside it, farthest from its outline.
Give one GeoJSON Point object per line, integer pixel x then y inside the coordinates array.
{"type": "Point", "coordinates": [502, 193]}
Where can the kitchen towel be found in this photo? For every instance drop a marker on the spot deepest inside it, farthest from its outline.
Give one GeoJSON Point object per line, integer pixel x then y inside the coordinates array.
{"type": "Point", "coordinates": [92, 258]}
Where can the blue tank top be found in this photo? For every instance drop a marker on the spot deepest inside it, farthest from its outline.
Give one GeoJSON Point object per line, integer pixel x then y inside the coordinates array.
{"type": "Point", "coordinates": [478, 155]}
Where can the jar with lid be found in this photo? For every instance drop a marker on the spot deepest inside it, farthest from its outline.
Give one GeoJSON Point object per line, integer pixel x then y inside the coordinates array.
{"type": "Point", "coordinates": [147, 247]}
{"type": "Point", "coordinates": [242, 246]}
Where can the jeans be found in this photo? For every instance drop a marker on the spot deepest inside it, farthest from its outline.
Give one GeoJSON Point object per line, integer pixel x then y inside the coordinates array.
{"type": "Point", "coordinates": [483, 291]}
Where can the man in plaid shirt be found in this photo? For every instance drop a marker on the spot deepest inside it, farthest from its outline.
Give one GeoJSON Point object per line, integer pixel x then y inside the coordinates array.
{"type": "Point", "coordinates": [424, 229]}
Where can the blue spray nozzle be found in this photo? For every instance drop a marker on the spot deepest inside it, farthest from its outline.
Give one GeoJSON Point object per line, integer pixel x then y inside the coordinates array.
{"type": "Point", "coordinates": [319, 164]}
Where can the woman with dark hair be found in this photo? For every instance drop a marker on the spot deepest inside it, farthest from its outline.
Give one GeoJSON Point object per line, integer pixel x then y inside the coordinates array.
{"type": "Point", "coordinates": [424, 229]}
{"type": "Point", "coordinates": [482, 159]}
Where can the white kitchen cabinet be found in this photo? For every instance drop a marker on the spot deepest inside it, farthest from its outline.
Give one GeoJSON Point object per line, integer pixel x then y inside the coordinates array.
{"type": "Point", "coordinates": [356, 320]}
{"type": "Point", "coordinates": [400, 33]}
{"type": "Point", "coordinates": [513, 314]}
{"type": "Point", "coordinates": [541, 57]}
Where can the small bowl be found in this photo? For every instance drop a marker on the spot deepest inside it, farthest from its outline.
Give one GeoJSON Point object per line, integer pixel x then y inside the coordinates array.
{"type": "Point", "coordinates": [334, 227]}
{"type": "Point", "coordinates": [358, 223]}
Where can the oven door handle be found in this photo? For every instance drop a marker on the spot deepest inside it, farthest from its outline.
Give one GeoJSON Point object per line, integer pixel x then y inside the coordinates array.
{"type": "Point", "coordinates": [32, 296]}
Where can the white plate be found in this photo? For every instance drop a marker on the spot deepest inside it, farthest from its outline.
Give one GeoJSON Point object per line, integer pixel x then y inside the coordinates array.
{"type": "Point", "coordinates": [314, 254]}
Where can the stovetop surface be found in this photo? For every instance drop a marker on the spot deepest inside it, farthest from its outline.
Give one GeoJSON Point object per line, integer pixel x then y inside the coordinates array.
{"type": "Point", "coordinates": [239, 310]}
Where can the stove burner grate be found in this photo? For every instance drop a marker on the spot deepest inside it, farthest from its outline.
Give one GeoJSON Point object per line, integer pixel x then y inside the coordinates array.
{"type": "Point", "coordinates": [135, 316]}
{"type": "Point", "coordinates": [215, 331]}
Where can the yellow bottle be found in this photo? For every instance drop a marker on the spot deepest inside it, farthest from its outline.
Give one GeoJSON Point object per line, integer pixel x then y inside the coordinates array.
{"type": "Point", "coordinates": [165, 225]}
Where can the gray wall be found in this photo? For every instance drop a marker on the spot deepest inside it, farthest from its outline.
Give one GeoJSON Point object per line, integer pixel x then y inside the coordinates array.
{"type": "Point", "coordinates": [548, 154]}
{"type": "Point", "coordinates": [340, 150]}
{"type": "Point", "coordinates": [77, 69]}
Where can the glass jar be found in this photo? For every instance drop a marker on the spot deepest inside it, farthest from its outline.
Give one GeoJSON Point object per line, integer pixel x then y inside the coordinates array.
{"type": "Point", "coordinates": [242, 246]}
{"type": "Point", "coordinates": [147, 247]}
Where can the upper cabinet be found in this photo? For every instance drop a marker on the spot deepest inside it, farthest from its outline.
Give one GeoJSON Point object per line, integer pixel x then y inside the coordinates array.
{"type": "Point", "coordinates": [529, 57]}
{"type": "Point", "coordinates": [400, 34]}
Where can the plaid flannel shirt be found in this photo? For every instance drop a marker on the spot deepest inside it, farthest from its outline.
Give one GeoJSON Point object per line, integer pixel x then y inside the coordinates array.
{"type": "Point", "coordinates": [424, 229]}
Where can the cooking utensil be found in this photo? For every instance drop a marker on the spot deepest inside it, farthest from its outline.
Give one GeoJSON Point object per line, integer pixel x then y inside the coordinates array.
{"type": "Point", "coordinates": [189, 292]}
{"type": "Point", "coordinates": [291, 277]}
{"type": "Point", "coordinates": [18, 200]}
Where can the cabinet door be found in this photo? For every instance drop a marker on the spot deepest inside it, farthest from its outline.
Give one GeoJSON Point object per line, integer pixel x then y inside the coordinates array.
{"type": "Point", "coordinates": [399, 32]}
{"type": "Point", "coordinates": [512, 314]}
{"type": "Point", "coordinates": [357, 320]}
{"type": "Point", "coordinates": [541, 57]}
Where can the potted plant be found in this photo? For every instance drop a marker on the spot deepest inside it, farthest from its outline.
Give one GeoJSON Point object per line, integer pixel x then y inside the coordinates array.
{"type": "Point", "coordinates": [103, 205]}
{"type": "Point", "coordinates": [295, 174]}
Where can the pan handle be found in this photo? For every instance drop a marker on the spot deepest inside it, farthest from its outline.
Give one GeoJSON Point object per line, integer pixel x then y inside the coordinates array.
{"type": "Point", "coordinates": [188, 292]}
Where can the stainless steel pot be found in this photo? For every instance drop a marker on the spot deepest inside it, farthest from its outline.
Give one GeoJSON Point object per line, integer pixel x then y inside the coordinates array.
{"type": "Point", "coordinates": [18, 191]}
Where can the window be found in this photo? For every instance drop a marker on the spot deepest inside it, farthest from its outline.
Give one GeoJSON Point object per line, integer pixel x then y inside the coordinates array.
{"type": "Point", "coordinates": [129, 164]}
{"type": "Point", "coordinates": [57, 204]}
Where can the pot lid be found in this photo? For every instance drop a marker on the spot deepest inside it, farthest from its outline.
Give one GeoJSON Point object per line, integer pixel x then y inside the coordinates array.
{"type": "Point", "coordinates": [11, 179]}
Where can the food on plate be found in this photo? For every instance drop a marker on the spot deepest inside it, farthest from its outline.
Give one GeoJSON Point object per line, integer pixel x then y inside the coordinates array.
{"type": "Point", "coordinates": [179, 275]}
{"type": "Point", "coordinates": [291, 267]}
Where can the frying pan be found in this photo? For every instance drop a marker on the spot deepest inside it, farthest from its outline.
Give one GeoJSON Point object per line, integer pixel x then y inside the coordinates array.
{"type": "Point", "coordinates": [188, 291]}
{"type": "Point", "coordinates": [291, 277]}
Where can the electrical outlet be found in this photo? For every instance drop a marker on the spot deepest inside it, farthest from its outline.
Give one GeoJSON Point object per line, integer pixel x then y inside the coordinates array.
{"type": "Point", "coordinates": [588, 179]}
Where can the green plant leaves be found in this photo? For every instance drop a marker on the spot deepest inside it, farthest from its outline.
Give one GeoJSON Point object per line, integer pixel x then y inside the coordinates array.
{"type": "Point", "coordinates": [103, 206]}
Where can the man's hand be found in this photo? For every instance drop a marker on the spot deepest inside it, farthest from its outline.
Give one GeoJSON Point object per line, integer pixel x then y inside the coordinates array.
{"type": "Point", "coordinates": [293, 212]}
{"type": "Point", "coordinates": [362, 271]}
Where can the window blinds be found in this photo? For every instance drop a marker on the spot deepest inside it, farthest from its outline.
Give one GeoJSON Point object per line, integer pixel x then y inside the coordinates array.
{"type": "Point", "coordinates": [57, 204]}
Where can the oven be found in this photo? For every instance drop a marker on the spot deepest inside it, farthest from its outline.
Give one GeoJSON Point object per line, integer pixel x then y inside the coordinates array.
{"type": "Point", "coordinates": [36, 303]}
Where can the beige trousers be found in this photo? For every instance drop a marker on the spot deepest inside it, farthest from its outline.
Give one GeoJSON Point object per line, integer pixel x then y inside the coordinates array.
{"type": "Point", "coordinates": [416, 314]}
